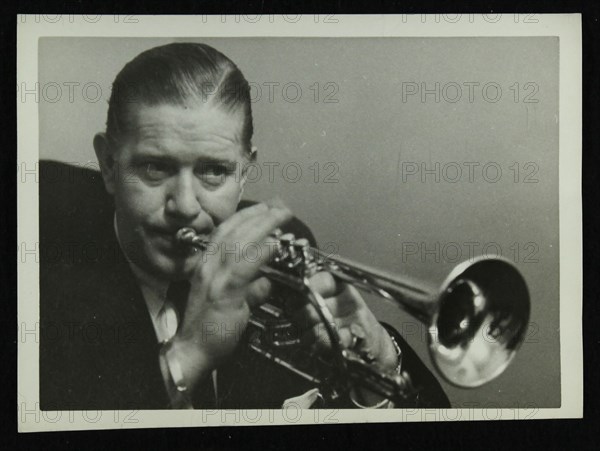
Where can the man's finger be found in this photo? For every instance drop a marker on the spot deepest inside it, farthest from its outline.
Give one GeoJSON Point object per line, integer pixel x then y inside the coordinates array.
{"type": "Point", "coordinates": [341, 306]}
{"type": "Point", "coordinates": [325, 284]}
{"type": "Point", "coordinates": [260, 226]}
{"type": "Point", "coordinates": [240, 219]}
{"type": "Point", "coordinates": [258, 291]}
{"type": "Point", "coordinates": [318, 335]}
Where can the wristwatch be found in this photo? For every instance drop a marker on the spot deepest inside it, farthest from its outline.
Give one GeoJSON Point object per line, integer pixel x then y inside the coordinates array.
{"type": "Point", "coordinates": [386, 403]}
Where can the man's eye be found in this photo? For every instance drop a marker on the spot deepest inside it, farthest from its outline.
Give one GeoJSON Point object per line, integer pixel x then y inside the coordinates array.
{"type": "Point", "coordinates": [155, 171]}
{"type": "Point", "coordinates": [213, 174]}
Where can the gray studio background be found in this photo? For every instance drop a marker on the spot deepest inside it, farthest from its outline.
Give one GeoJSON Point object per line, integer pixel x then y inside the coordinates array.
{"type": "Point", "coordinates": [374, 212]}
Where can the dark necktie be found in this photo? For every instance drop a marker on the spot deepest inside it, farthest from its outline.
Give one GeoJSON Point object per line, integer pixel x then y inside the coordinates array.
{"type": "Point", "coordinates": [204, 395]}
{"type": "Point", "coordinates": [177, 294]}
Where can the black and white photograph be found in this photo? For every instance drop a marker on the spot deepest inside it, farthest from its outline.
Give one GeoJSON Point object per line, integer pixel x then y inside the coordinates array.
{"type": "Point", "coordinates": [335, 223]}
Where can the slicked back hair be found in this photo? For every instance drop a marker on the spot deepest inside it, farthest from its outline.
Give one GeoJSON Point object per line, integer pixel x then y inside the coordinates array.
{"type": "Point", "coordinates": [178, 74]}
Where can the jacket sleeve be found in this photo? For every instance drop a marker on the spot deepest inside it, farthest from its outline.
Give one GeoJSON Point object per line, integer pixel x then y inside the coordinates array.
{"type": "Point", "coordinates": [429, 392]}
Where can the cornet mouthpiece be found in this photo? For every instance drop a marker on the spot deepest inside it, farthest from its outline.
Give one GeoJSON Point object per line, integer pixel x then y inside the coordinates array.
{"type": "Point", "coordinates": [187, 235]}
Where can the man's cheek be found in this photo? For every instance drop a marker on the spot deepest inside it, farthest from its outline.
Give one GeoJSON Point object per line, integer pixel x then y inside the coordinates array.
{"type": "Point", "coordinates": [224, 213]}
{"type": "Point", "coordinates": [223, 205]}
{"type": "Point", "coordinates": [143, 201]}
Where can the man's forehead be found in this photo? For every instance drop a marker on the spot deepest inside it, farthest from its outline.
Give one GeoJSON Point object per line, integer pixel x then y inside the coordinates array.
{"type": "Point", "coordinates": [185, 133]}
{"type": "Point", "coordinates": [187, 119]}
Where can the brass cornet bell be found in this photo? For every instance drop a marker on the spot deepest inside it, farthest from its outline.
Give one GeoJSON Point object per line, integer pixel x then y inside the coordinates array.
{"type": "Point", "coordinates": [477, 319]}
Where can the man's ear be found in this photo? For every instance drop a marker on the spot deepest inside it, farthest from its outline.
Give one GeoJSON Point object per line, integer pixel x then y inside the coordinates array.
{"type": "Point", "coordinates": [106, 160]}
{"type": "Point", "coordinates": [251, 159]}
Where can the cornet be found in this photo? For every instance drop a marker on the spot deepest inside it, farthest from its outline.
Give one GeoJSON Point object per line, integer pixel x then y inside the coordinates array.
{"type": "Point", "coordinates": [476, 321]}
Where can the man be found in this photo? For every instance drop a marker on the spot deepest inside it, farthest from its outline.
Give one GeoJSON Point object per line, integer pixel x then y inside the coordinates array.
{"type": "Point", "coordinates": [179, 128]}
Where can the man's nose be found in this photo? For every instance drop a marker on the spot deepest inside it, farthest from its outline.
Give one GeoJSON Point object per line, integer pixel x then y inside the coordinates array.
{"type": "Point", "coordinates": [183, 199]}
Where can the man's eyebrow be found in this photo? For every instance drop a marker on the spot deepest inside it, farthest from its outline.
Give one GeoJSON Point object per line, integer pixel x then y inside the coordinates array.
{"type": "Point", "coordinates": [208, 159]}
{"type": "Point", "coordinates": [140, 157]}
{"type": "Point", "coordinates": [215, 160]}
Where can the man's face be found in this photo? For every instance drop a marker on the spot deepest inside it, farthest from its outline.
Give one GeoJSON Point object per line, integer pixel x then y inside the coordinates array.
{"type": "Point", "coordinates": [179, 167]}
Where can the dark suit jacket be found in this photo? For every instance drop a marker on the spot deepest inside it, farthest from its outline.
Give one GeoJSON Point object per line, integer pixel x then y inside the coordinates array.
{"type": "Point", "coordinates": [98, 348]}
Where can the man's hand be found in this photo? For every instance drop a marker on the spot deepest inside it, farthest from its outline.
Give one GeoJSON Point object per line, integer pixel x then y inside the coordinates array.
{"type": "Point", "coordinates": [224, 287]}
{"type": "Point", "coordinates": [356, 325]}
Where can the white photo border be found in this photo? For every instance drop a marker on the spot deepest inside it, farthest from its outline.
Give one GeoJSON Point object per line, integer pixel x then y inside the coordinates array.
{"type": "Point", "coordinates": [567, 27]}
